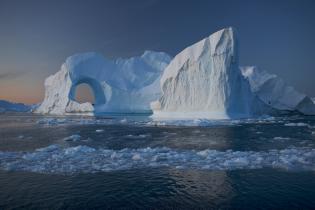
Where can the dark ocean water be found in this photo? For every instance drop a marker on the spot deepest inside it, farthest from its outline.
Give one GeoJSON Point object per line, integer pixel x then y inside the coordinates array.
{"type": "Point", "coordinates": [135, 163]}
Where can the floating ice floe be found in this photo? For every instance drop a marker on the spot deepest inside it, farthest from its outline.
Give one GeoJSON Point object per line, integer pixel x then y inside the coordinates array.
{"type": "Point", "coordinates": [281, 138]}
{"type": "Point", "coordinates": [124, 120]}
{"type": "Point", "coordinates": [74, 137]}
{"type": "Point", "coordinates": [300, 124]}
{"type": "Point", "coordinates": [84, 159]}
{"type": "Point", "coordinates": [140, 136]}
{"type": "Point", "coordinates": [52, 121]}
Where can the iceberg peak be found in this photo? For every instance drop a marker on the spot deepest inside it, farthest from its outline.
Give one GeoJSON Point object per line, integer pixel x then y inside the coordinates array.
{"type": "Point", "coordinates": [205, 81]}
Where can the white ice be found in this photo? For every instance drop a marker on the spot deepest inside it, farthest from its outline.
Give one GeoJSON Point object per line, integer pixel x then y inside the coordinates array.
{"type": "Point", "coordinates": [56, 159]}
{"type": "Point", "coordinates": [299, 124]}
{"type": "Point", "coordinates": [74, 137]}
{"type": "Point", "coordinates": [204, 81]}
{"type": "Point", "coordinates": [122, 85]}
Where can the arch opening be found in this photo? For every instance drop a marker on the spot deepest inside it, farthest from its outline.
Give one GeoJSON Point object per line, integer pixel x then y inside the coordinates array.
{"type": "Point", "coordinates": [87, 90]}
{"type": "Point", "coordinates": [84, 93]}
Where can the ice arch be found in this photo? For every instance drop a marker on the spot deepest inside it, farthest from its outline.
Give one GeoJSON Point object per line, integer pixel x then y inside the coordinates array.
{"type": "Point", "coordinates": [84, 93]}
{"type": "Point", "coordinates": [122, 85]}
{"type": "Point", "coordinates": [99, 97]}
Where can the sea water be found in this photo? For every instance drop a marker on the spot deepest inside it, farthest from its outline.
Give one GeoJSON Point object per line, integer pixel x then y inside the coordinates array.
{"type": "Point", "coordinates": [120, 161]}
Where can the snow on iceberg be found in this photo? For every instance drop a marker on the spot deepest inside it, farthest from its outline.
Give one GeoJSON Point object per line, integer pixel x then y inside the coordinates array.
{"type": "Point", "coordinates": [122, 85]}
{"type": "Point", "coordinates": [205, 81]}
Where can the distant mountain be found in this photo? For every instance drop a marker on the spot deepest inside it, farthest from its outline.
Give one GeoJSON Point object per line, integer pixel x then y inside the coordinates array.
{"type": "Point", "coordinates": [7, 106]}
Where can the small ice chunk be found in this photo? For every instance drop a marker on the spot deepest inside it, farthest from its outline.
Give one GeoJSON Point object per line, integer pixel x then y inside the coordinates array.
{"type": "Point", "coordinates": [74, 137]}
{"type": "Point", "coordinates": [21, 136]}
{"type": "Point", "coordinates": [51, 121]}
{"type": "Point", "coordinates": [203, 153]}
{"type": "Point", "coordinates": [300, 124]}
{"type": "Point", "coordinates": [281, 138]}
{"type": "Point", "coordinates": [88, 139]}
{"type": "Point", "coordinates": [50, 148]}
{"type": "Point", "coordinates": [99, 131]}
{"type": "Point", "coordinates": [136, 156]}
{"type": "Point", "coordinates": [144, 135]}
{"type": "Point", "coordinates": [123, 120]}
{"type": "Point", "coordinates": [140, 136]}
{"type": "Point", "coordinates": [79, 150]}
{"type": "Point", "coordinates": [113, 155]}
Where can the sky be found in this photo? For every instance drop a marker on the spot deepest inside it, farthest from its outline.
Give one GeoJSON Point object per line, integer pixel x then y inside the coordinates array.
{"type": "Point", "coordinates": [36, 36]}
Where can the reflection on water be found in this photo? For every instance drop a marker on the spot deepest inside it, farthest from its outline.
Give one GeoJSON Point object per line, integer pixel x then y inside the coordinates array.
{"type": "Point", "coordinates": [146, 188]}
{"type": "Point", "coordinates": [212, 188]}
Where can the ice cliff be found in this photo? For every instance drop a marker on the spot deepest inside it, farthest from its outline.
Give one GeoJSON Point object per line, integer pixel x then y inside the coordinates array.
{"type": "Point", "coordinates": [205, 81]}
{"type": "Point", "coordinates": [122, 85]}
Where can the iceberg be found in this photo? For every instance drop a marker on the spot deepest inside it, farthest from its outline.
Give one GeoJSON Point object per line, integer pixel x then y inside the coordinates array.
{"type": "Point", "coordinates": [122, 85]}
{"type": "Point", "coordinates": [274, 92]}
{"type": "Point", "coordinates": [205, 81]}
